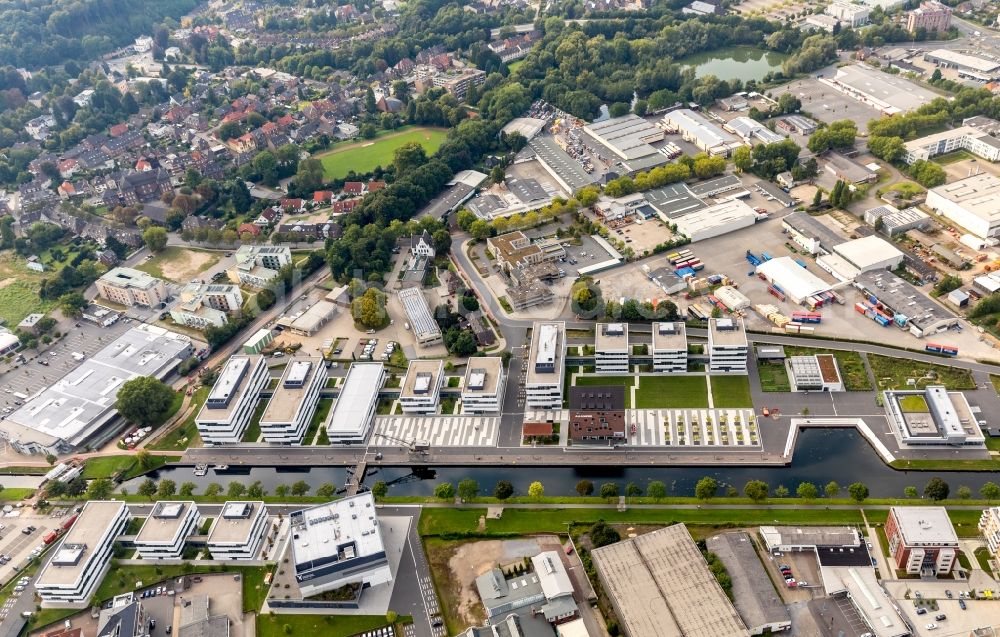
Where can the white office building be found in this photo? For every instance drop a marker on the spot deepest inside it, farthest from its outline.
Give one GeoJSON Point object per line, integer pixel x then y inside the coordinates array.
{"type": "Point", "coordinates": [165, 531]}
{"type": "Point", "coordinates": [971, 203]}
{"type": "Point", "coordinates": [257, 266]}
{"type": "Point", "coordinates": [238, 533]}
{"type": "Point", "coordinates": [669, 348]}
{"type": "Point", "coordinates": [543, 386]}
{"type": "Point", "coordinates": [227, 412]}
{"type": "Point", "coordinates": [290, 410]}
{"type": "Point", "coordinates": [482, 391]}
{"type": "Point", "coordinates": [727, 346]}
{"type": "Point", "coordinates": [611, 353]}
{"type": "Point", "coordinates": [350, 420]}
{"type": "Point", "coordinates": [968, 138]}
{"type": "Point", "coordinates": [848, 13]}
{"type": "Point", "coordinates": [82, 559]}
{"type": "Point", "coordinates": [339, 543]}
{"type": "Point", "coordinates": [420, 392]}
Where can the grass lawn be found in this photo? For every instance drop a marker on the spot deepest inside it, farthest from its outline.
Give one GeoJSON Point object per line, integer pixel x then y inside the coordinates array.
{"type": "Point", "coordinates": [952, 157]}
{"type": "Point", "coordinates": [326, 625]}
{"type": "Point", "coordinates": [983, 557]}
{"type": "Point", "coordinates": [597, 381]}
{"type": "Point", "coordinates": [179, 264]}
{"type": "Point", "coordinates": [852, 367]}
{"type": "Point", "coordinates": [186, 435]}
{"type": "Point", "coordinates": [731, 391]}
{"type": "Point", "coordinates": [363, 157]}
{"type": "Point", "coordinates": [19, 299]}
{"type": "Point", "coordinates": [515, 65]}
{"type": "Point", "coordinates": [253, 429]}
{"type": "Point", "coordinates": [996, 382]}
{"type": "Point", "coordinates": [319, 416]}
{"type": "Point", "coordinates": [24, 471]}
{"type": "Point", "coordinates": [913, 405]}
{"type": "Point", "coordinates": [773, 377]}
{"type": "Point", "coordinates": [946, 465]}
{"type": "Point", "coordinates": [892, 373]}
{"type": "Point", "coordinates": [16, 494]}
{"type": "Point", "coordinates": [106, 466]}
{"type": "Point", "coordinates": [671, 391]}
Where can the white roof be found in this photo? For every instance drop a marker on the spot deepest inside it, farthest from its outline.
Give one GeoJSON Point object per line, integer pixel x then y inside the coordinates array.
{"type": "Point", "coordinates": [552, 575]}
{"type": "Point", "coordinates": [868, 251]}
{"type": "Point", "coordinates": [792, 278]}
{"type": "Point", "coordinates": [322, 531]}
{"type": "Point", "coordinates": [925, 525]}
{"type": "Point", "coordinates": [359, 391]}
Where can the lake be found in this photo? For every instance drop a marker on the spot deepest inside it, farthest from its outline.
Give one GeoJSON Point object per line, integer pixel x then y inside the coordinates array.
{"type": "Point", "coordinates": [742, 62]}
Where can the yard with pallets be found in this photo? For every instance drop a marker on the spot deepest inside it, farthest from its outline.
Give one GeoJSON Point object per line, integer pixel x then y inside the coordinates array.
{"type": "Point", "coordinates": [363, 157]}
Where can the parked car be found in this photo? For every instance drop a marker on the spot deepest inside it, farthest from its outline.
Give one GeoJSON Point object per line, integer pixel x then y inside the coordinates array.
{"type": "Point", "coordinates": [961, 604]}
{"type": "Point", "coordinates": [921, 611]}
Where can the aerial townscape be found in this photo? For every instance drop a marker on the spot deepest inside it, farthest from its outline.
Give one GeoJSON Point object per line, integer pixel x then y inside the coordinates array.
{"type": "Point", "coordinates": [500, 318]}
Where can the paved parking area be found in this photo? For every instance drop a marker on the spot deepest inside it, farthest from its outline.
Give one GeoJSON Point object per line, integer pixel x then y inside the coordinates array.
{"type": "Point", "coordinates": [439, 431]}
{"type": "Point", "coordinates": [827, 104]}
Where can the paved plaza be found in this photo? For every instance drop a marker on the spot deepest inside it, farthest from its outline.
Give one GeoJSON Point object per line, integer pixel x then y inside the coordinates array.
{"type": "Point", "coordinates": [438, 431]}
{"type": "Point", "coordinates": [692, 428]}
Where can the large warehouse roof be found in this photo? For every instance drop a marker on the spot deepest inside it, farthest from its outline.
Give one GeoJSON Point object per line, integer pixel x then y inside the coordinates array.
{"type": "Point", "coordinates": [350, 414]}
{"type": "Point", "coordinates": [628, 137]}
{"type": "Point", "coordinates": [977, 195]}
{"type": "Point", "coordinates": [868, 252]}
{"type": "Point", "coordinates": [794, 280]}
{"type": "Point", "coordinates": [755, 598]}
{"type": "Point", "coordinates": [660, 585]}
{"type": "Point", "coordinates": [716, 220]}
{"type": "Point", "coordinates": [425, 328]}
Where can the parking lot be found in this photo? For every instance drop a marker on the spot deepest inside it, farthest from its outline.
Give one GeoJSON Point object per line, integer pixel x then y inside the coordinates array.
{"type": "Point", "coordinates": [977, 613]}
{"type": "Point", "coordinates": [827, 104]}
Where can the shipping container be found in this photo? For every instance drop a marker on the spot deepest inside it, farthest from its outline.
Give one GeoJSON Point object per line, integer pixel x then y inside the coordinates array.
{"type": "Point", "coordinates": [775, 292]}
{"type": "Point", "coordinates": [50, 537]}
{"type": "Point", "coordinates": [753, 259]}
{"type": "Point", "coordinates": [807, 317]}
{"type": "Point", "coordinates": [947, 350]}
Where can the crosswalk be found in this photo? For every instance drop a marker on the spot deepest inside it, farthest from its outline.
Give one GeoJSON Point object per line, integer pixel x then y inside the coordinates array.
{"type": "Point", "coordinates": [438, 431]}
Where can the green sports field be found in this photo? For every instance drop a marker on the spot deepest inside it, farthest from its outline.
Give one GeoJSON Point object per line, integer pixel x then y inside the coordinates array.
{"type": "Point", "coordinates": [364, 156]}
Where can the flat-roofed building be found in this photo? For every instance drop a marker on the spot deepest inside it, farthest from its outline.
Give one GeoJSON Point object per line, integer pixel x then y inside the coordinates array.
{"type": "Point", "coordinates": [514, 251]}
{"type": "Point", "coordinates": [226, 298]}
{"type": "Point", "coordinates": [760, 606]}
{"type": "Point", "coordinates": [815, 372]}
{"type": "Point", "coordinates": [597, 414]}
{"type": "Point", "coordinates": [964, 62]}
{"type": "Point", "coordinates": [128, 286]}
{"type": "Point", "coordinates": [293, 403]}
{"type": "Point", "coordinates": [197, 315]}
{"type": "Point", "coordinates": [611, 348]}
{"type": "Point", "coordinates": [167, 528]}
{"type": "Point", "coordinates": [792, 280]}
{"type": "Point", "coordinates": [425, 328]}
{"type": "Point", "coordinates": [733, 299]}
{"type": "Point", "coordinates": [707, 136]}
{"type": "Point", "coordinates": [932, 416]}
{"type": "Point", "coordinates": [713, 221]}
{"type": "Point", "coordinates": [977, 142]}
{"type": "Point", "coordinates": [338, 543]}
{"type": "Point", "coordinates": [80, 406]}
{"type": "Point", "coordinates": [628, 137]}
{"type": "Point", "coordinates": [847, 13]}
{"type": "Point", "coordinates": [238, 532]}
{"type": "Point", "coordinates": [227, 411]}
{"type": "Point", "coordinates": [889, 94]}
{"type": "Point", "coordinates": [482, 391]}
{"type": "Point", "coordinates": [83, 557]}
{"type": "Point", "coordinates": [971, 203]}
{"type": "Point", "coordinates": [727, 346]}
{"type": "Point", "coordinates": [420, 392]}
{"type": "Point", "coordinates": [989, 528]}
{"type": "Point", "coordinates": [911, 307]}
{"type": "Point", "coordinates": [932, 16]}
{"type": "Point", "coordinates": [810, 233]}
{"type": "Point", "coordinates": [350, 420]}
{"type": "Point", "coordinates": [861, 588]}
{"type": "Point", "coordinates": [808, 538]}
{"type": "Point", "coordinates": [257, 266]}
{"type": "Point", "coordinates": [669, 348]}
{"type": "Point", "coordinates": [922, 540]}
{"type": "Point", "coordinates": [546, 366]}
{"type": "Point", "coordinates": [896, 221]}
{"type": "Point", "coordinates": [661, 586]}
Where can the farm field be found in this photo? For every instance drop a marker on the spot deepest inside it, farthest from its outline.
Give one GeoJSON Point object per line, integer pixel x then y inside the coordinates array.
{"type": "Point", "coordinates": [362, 157]}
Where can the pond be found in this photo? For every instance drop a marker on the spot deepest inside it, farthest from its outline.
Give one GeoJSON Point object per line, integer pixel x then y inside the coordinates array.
{"type": "Point", "coordinates": [742, 62]}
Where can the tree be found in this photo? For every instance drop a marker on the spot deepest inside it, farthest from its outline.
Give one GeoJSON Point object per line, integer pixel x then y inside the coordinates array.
{"type": "Point", "coordinates": [236, 489]}
{"type": "Point", "coordinates": [656, 490]}
{"type": "Point", "coordinates": [706, 488]}
{"type": "Point", "coordinates": [742, 159]}
{"type": "Point", "coordinates": [910, 492]}
{"type": "Point", "coordinates": [632, 490]}
{"type": "Point", "coordinates": [155, 238]}
{"type": "Point", "coordinates": [442, 241]}
{"type": "Point", "coordinates": [100, 489]}
{"type": "Point", "coordinates": [503, 490]}
{"type": "Point", "coordinates": [444, 491]}
{"type": "Point", "coordinates": [281, 490]}
{"type": "Point", "coordinates": [536, 489]}
{"type": "Point", "coordinates": [309, 175]}
{"type": "Point", "coordinates": [326, 490]}
{"type": "Point", "coordinates": [380, 489]}
{"type": "Point", "coordinates": [585, 487]}
{"type": "Point", "coordinates": [832, 489]}
{"type": "Point", "coordinates": [144, 459]}
{"type": "Point", "coordinates": [145, 400]}
{"type": "Point", "coordinates": [936, 489]}
{"type": "Point", "coordinates": [807, 491]}
{"type": "Point", "coordinates": [468, 489]}
{"type": "Point", "coordinates": [369, 309]}
{"type": "Point", "coordinates": [147, 488]}
{"type": "Point", "coordinates": [300, 488]}
{"type": "Point", "coordinates": [609, 490]}
{"type": "Point", "coordinates": [187, 489]}
{"type": "Point", "coordinates": [391, 617]}
{"type": "Point", "coordinates": [858, 491]}
{"type": "Point", "coordinates": [818, 197]}
{"type": "Point", "coordinates": [213, 489]}
{"type": "Point", "coordinates": [989, 491]}
{"type": "Point", "coordinates": [602, 535]}
{"type": "Point", "coordinates": [408, 157]}
{"type": "Point", "coordinates": [781, 491]}
{"type": "Point", "coordinates": [166, 489]}
{"type": "Point", "coordinates": [51, 458]}
{"type": "Point", "coordinates": [72, 303]}
{"type": "Point", "coordinates": [756, 490]}
{"type": "Point", "coordinates": [256, 490]}
{"type": "Point", "coordinates": [963, 492]}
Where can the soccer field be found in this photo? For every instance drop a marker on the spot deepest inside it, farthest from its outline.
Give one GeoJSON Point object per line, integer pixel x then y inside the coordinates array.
{"type": "Point", "coordinates": [364, 156]}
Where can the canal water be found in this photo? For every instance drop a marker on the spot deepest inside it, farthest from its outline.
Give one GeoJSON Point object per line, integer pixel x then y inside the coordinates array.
{"type": "Point", "coordinates": [735, 62]}
{"type": "Point", "coordinates": [821, 455]}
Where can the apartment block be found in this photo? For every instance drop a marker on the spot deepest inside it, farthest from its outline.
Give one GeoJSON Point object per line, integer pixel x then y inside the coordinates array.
{"type": "Point", "coordinates": [238, 532]}
{"type": "Point", "coordinates": [989, 528]}
{"type": "Point", "coordinates": [128, 286]}
{"type": "Point", "coordinates": [165, 531]}
{"type": "Point", "coordinates": [257, 266]}
{"type": "Point", "coordinates": [922, 540]}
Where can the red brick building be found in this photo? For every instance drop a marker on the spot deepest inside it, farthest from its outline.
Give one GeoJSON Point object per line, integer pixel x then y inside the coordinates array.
{"type": "Point", "coordinates": [922, 540]}
{"type": "Point", "coordinates": [597, 414]}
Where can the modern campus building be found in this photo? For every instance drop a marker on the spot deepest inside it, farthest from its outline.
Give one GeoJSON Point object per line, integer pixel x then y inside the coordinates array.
{"type": "Point", "coordinates": [203, 306]}
{"type": "Point", "coordinates": [660, 586]}
{"type": "Point", "coordinates": [238, 532]}
{"type": "Point", "coordinates": [127, 286]}
{"type": "Point", "coordinates": [727, 346]}
{"type": "Point", "coordinates": [989, 528]}
{"type": "Point", "coordinates": [814, 372]}
{"type": "Point", "coordinates": [922, 540]}
{"type": "Point", "coordinates": [482, 391]}
{"type": "Point", "coordinates": [290, 410]}
{"type": "Point", "coordinates": [970, 203]}
{"type": "Point", "coordinates": [338, 543]}
{"type": "Point", "coordinates": [78, 407]}
{"type": "Point", "coordinates": [425, 329]}
{"type": "Point", "coordinates": [350, 419]}
{"type": "Point", "coordinates": [82, 559]}
{"type": "Point", "coordinates": [257, 266]}
{"type": "Point", "coordinates": [227, 411]}
{"type": "Point", "coordinates": [546, 366]}
{"type": "Point", "coordinates": [611, 348]}
{"type": "Point", "coordinates": [932, 416]}
{"type": "Point", "coordinates": [164, 532]}
{"type": "Point", "coordinates": [420, 392]}
{"type": "Point", "coordinates": [669, 348]}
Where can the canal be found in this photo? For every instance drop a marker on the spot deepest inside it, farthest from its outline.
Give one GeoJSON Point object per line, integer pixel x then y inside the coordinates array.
{"type": "Point", "coordinates": [821, 455]}
{"type": "Point", "coordinates": [735, 62]}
